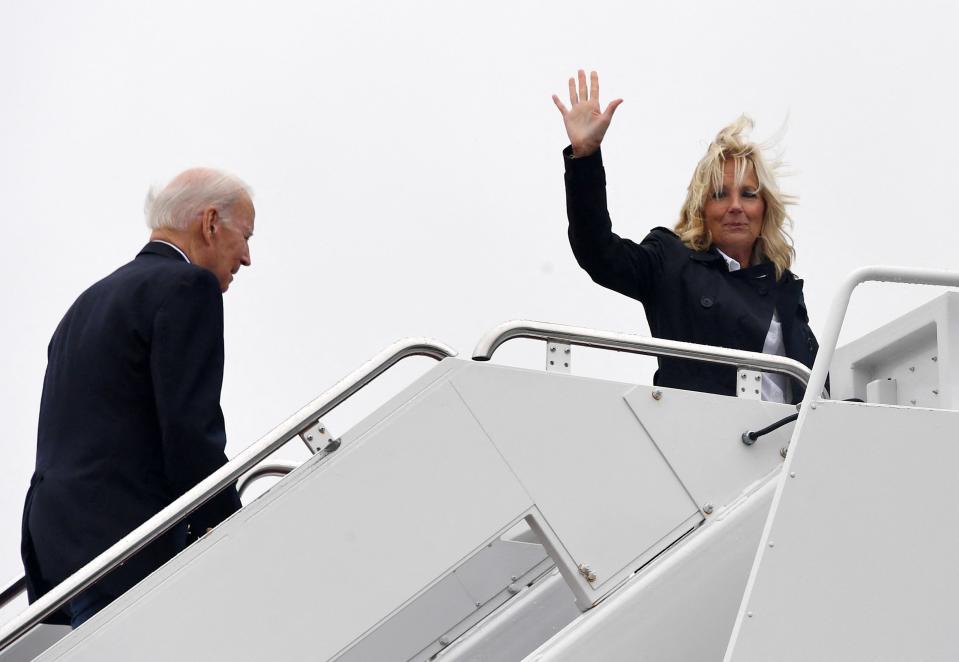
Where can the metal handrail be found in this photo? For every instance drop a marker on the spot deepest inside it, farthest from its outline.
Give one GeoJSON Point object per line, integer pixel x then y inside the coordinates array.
{"type": "Point", "coordinates": [264, 471]}
{"type": "Point", "coordinates": [625, 342]}
{"type": "Point", "coordinates": [840, 304]}
{"type": "Point", "coordinates": [12, 590]}
{"type": "Point", "coordinates": [820, 369]}
{"type": "Point", "coordinates": [217, 481]}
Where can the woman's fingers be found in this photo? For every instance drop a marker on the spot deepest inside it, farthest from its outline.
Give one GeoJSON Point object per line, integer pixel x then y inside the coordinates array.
{"type": "Point", "coordinates": [594, 86]}
{"type": "Point", "coordinates": [572, 92]}
{"type": "Point", "coordinates": [583, 92]}
{"type": "Point", "coordinates": [559, 104]}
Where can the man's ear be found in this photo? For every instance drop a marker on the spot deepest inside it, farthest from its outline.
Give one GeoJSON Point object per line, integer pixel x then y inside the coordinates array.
{"type": "Point", "coordinates": [209, 225]}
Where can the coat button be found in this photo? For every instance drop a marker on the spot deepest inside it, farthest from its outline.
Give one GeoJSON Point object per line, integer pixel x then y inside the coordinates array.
{"type": "Point", "coordinates": [706, 302]}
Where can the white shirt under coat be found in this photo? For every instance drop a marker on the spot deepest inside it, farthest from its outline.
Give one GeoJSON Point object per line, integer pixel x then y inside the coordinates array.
{"type": "Point", "coordinates": [774, 386]}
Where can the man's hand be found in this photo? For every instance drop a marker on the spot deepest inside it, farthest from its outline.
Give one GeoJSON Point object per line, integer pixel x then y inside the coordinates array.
{"type": "Point", "coordinates": [585, 124]}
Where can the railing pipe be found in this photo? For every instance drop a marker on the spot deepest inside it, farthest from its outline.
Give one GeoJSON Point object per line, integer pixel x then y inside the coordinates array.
{"type": "Point", "coordinates": [217, 481]}
{"type": "Point", "coordinates": [263, 471]}
{"type": "Point", "coordinates": [625, 342]}
{"type": "Point", "coordinates": [837, 313]}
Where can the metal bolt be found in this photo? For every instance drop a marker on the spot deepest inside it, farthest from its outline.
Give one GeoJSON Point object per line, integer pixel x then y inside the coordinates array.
{"type": "Point", "coordinates": [512, 589]}
{"type": "Point", "coordinates": [657, 394]}
{"type": "Point", "coordinates": [587, 572]}
{"type": "Point", "coordinates": [743, 376]}
{"type": "Point", "coordinates": [513, 578]}
{"type": "Point", "coordinates": [912, 368]}
{"type": "Point", "coordinates": [772, 544]}
{"type": "Point", "coordinates": [444, 641]}
{"type": "Point", "coordinates": [565, 365]}
{"type": "Point", "coordinates": [749, 614]}
{"type": "Point", "coordinates": [309, 437]}
{"type": "Point", "coordinates": [935, 391]}
{"type": "Point", "coordinates": [813, 406]}
{"type": "Point", "coordinates": [935, 358]}
{"type": "Point", "coordinates": [479, 604]}
{"type": "Point", "coordinates": [792, 474]}
{"type": "Point", "coordinates": [783, 451]}
{"type": "Point", "coordinates": [566, 351]}
{"type": "Point", "coordinates": [551, 363]}
{"type": "Point", "coordinates": [913, 401]}
{"type": "Point", "coordinates": [552, 349]}
{"type": "Point", "coordinates": [708, 509]}
{"type": "Point", "coordinates": [322, 430]}
{"type": "Point", "coordinates": [758, 378]}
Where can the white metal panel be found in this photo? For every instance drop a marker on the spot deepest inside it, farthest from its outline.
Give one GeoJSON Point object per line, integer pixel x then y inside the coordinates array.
{"type": "Point", "coordinates": [596, 477]}
{"type": "Point", "coordinates": [520, 626]}
{"type": "Point", "coordinates": [314, 564]}
{"type": "Point", "coordinates": [34, 642]}
{"type": "Point", "coordinates": [681, 608]}
{"type": "Point", "coordinates": [859, 560]}
{"type": "Point", "coordinates": [700, 435]}
{"type": "Point", "coordinates": [461, 596]}
{"type": "Point", "coordinates": [920, 350]}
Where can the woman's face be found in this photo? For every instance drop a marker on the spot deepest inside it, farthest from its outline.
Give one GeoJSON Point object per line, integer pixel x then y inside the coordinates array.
{"type": "Point", "coordinates": [734, 215]}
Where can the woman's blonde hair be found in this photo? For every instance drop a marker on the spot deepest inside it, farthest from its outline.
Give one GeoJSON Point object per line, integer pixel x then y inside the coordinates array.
{"type": "Point", "coordinates": [732, 142]}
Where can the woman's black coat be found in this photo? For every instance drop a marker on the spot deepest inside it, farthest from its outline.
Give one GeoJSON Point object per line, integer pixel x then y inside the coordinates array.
{"type": "Point", "coordinates": [688, 295]}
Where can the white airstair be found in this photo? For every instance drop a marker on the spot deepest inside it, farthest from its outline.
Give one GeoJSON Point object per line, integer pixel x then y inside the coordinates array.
{"type": "Point", "coordinates": [488, 512]}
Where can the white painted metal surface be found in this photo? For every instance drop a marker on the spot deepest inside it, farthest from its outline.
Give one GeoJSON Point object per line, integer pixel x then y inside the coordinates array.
{"type": "Point", "coordinates": [520, 626]}
{"type": "Point", "coordinates": [474, 590]}
{"type": "Point", "coordinates": [681, 608]}
{"type": "Point", "coordinates": [860, 560]}
{"type": "Point", "coordinates": [817, 380]}
{"type": "Point", "coordinates": [39, 639]}
{"type": "Point", "coordinates": [317, 562]}
{"type": "Point", "coordinates": [377, 551]}
{"type": "Point", "coordinates": [918, 352]}
{"type": "Point", "coordinates": [215, 482]}
{"type": "Point", "coordinates": [700, 436]}
{"type": "Point", "coordinates": [590, 474]}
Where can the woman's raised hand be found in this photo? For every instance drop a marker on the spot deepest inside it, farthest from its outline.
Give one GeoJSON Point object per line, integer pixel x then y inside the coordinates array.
{"type": "Point", "coordinates": [585, 124]}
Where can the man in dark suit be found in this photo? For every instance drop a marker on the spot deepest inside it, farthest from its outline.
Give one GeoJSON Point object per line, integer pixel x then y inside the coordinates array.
{"type": "Point", "coordinates": [130, 414]}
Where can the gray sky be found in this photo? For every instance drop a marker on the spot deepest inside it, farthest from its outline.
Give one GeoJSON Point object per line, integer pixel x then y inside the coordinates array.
{"type": "Point", "coordinates": [406, 163]}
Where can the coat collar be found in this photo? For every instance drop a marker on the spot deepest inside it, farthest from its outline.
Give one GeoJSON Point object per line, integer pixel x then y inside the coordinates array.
{"type": "Point", "coordinates": [161, 248]}
{"type": "Point", "coordinates": [712, 257]}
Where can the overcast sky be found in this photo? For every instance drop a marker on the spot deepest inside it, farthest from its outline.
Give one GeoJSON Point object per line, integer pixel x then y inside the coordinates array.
{"type": "Point", "coordinates": [406, 164]}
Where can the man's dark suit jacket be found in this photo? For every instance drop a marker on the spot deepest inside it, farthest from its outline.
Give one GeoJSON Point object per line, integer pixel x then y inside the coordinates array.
{"type": "Point", "coordinates": [129, 420]}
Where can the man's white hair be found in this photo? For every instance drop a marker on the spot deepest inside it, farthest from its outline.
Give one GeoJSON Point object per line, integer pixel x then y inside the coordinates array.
{"type": "Point", "coordinates": [181, 202]}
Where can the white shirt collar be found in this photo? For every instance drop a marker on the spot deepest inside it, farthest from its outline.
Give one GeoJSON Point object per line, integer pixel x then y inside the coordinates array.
{"type": "Point", "coordinates": [177, 249]}
{"type": "Point", "coordinates": [730, 262]}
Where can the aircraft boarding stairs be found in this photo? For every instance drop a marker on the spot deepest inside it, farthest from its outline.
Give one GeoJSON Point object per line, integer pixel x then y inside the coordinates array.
{"type": "Point", "coordinates": [488, 512]}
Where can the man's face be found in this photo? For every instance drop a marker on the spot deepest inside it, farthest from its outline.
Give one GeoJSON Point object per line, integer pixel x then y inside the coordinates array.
{"type": "Point", "coordinates": [230, 242]}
